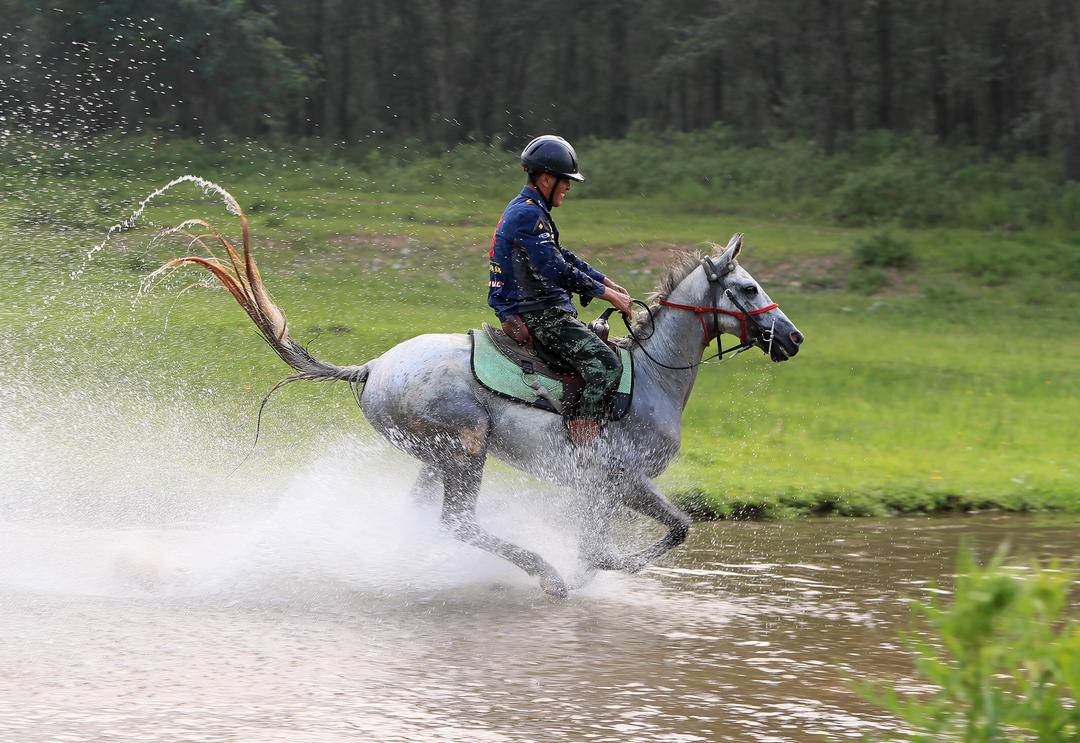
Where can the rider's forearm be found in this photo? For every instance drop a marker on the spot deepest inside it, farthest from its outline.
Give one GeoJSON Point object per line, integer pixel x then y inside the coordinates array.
{"type": "Point", "coordinates": [584, 266]}
{"type": "Point", "coordinates": [612, 285]}
{"type": "Point", "coordinates": [550, 263]}
{"type": "Point", "coordinates": [617, 299]}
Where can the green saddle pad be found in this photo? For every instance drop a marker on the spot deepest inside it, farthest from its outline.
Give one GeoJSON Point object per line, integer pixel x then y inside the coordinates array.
{"type": "Point", "coordinates": [504, 377]}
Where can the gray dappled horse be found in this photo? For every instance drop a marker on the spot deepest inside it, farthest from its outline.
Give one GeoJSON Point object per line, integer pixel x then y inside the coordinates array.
{"type": "Point", "coordinates": [422, 396]}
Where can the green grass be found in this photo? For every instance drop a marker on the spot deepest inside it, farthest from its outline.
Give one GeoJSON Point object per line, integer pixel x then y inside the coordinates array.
{"type": "Point", "coordinates": [948, 385]}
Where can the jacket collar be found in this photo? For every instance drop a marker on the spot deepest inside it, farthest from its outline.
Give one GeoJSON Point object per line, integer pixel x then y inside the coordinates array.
{"type": "Point", "coordinates": [528, 192]}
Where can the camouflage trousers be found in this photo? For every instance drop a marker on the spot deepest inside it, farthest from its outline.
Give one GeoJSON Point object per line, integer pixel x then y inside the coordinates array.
{"type": "Point", "coordinates": [563, 336]}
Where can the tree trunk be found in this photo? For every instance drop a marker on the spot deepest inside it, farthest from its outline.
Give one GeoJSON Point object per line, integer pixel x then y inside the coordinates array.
{"type": "Point", "coordinates": [346, 31]}
{"type": "Point", "coordinates": [845, 91]}
{"type": "Point", "coordinates": [939, 80]}
{"type": "Point", "coordinates": [684, 104]}
{"type": "Point", "coordinates": [995, 85]}
{"type": "Point", "coordinates": [885, 70]}
{"type": "Point", "coordinates": [1068, 85]}
{"type": "Point", "coordinates": [718, 86]}
{"type": "Point", "coordinates": [826, 79]}
{"type": "Point", "coordinates": [618, 103]}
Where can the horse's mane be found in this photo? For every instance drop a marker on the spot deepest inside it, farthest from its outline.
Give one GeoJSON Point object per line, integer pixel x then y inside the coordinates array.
{"type": "Point", "coordinates": [681, 265]}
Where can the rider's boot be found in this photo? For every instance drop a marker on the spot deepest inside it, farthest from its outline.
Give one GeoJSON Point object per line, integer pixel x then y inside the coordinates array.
{"type": "Point", "coordinates": [583, 431]}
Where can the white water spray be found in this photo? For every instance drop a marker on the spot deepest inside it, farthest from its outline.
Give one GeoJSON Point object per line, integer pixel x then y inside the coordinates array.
{"type": "Point", "coordinates": [207, 187]}
{"type": "Point", "coordinates": [119, 495]}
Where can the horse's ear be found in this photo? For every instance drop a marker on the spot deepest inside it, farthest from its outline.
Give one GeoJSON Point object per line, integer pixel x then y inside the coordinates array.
{"type": "Point", "coordinates": [734, 245]}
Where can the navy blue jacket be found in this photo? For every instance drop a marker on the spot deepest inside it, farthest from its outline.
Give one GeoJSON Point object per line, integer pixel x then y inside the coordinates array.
{"type": "Point", "coordinates": [529, 270]}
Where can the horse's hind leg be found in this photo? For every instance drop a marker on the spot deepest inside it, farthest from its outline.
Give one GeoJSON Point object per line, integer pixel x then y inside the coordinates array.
{"type": "Point", "coordinates": [461, 477]}
{"type": "Point", "coordinates": [594, 544]}
{"type": "Point", "coordinates": [640, 495]}
{"type": "Point", "coordinates": [428, 486]}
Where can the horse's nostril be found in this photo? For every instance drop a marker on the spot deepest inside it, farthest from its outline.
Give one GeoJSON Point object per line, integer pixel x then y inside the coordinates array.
{"type": "Point", "coordinates": [796, 337]}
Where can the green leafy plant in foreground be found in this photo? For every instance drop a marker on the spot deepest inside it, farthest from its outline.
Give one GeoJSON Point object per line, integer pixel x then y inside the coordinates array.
{"type": "Point", "coordinates": [1004, 656]}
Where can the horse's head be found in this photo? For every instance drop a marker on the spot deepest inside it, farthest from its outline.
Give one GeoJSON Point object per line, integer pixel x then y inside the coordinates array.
{"type": "Point", "coordinates": [728, 298]}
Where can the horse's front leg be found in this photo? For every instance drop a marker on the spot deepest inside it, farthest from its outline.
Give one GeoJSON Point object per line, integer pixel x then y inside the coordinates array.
{"type": "Point", "coordinates": [637, 493]}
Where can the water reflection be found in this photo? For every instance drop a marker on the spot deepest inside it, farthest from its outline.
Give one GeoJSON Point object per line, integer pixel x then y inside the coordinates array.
{"type": "Point", "coordinates": [751, 633]}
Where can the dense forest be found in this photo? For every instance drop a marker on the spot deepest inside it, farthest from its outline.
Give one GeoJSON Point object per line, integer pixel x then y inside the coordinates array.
{"type": "Point", "coordinates": [1001, 75]}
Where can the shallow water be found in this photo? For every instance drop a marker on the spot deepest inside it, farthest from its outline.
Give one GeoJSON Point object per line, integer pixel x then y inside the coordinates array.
{"type": "Point", "coordinates": [320, 621]}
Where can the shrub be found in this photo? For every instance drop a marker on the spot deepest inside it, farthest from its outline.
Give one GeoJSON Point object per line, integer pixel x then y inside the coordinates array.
{"type": "Point", "coordinates": [998, 266]}
{"type": "Point", "coordinates": [877, 177]}
{"type": "Point", "coordinates": [897, 188]}
{"type": "Point", "coordinates": [993, 209]}
{"type": "Point", "coordinates": [1067, 210]}
{"type": "Point", "coordinates": [883, 250]}
{"type": "Point", "coordinates": [868, 281]}
{"type": "Point", "coordinates": [1003, 656]}
{"type": "Point", "coordinates": [693, 196]}
{"type": "Point", "coordinates": [1071, 263]}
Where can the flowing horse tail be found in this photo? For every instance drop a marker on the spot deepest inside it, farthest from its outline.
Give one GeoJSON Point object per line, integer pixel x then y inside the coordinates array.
{"type": "Point", "coordinates": [241, 277]}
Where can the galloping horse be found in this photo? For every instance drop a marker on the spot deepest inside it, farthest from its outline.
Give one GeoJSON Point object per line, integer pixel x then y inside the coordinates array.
{"type": "Point", "coordinates": [423, 397]}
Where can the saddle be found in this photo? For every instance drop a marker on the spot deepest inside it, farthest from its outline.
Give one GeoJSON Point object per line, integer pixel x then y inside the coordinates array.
{"type": "Point", "coordinates": [507, 362]}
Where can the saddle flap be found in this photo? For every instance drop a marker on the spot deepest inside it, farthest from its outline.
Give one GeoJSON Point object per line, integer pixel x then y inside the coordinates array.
{"type": "Point", "coordinates": [513, 371]}
{"type": "Point", "coordinates": [527, 357]}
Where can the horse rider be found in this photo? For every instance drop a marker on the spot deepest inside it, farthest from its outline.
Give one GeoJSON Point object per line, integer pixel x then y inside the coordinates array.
{"type": "Point", "coordinates": [532, 277]}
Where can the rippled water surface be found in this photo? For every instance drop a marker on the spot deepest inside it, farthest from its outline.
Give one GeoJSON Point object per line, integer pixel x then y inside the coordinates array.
{"type": "Point", "coordinates": [751, 632]}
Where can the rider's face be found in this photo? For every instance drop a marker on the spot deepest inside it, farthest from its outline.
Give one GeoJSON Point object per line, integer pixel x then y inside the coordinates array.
{"type": "Point", "coordinates": [560, 192]}
{"type": "Point", "coordinates": [544, 183]}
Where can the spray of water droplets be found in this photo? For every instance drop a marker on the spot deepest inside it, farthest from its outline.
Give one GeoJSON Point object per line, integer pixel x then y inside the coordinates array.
{"type": "Point", "coordinates": [207, 187]}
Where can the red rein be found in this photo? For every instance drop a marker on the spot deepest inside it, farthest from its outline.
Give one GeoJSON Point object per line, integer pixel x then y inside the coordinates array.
{"type": "Point", "coordinates": [702, 311]}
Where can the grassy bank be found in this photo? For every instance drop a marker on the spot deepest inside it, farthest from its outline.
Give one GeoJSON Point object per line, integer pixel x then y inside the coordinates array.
{"type": "Point", "coordinates": [943, 381]}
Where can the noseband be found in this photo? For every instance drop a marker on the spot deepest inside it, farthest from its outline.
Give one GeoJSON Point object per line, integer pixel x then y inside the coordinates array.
{"type": "Point", "coordinates": [746, 317]}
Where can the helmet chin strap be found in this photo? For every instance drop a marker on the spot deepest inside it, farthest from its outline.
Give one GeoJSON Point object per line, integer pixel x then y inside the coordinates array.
{"type": "Point", "coordinates": [550, 195]}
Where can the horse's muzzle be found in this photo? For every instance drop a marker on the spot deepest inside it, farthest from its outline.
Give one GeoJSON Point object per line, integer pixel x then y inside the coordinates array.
{"type": "Point", "coordinates": [783, 345]}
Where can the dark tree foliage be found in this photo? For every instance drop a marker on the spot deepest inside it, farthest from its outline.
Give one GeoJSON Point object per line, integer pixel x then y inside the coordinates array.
{"type": "Point", "coordinates": [994, 73]}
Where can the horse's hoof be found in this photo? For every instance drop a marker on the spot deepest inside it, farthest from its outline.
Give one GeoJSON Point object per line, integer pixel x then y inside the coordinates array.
{"type": "Point", "coordinates": [622, 564]}
{"type": "Point", "coordinates": [553, 585]}
{"type": "Point", "coordinates": [604, 562]}
{"type": "Point", "coordinates": [582, 577]}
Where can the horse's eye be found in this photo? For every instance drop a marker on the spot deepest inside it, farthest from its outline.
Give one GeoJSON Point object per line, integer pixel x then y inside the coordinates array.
{"type": "Point", "coordinates": [750, 290]}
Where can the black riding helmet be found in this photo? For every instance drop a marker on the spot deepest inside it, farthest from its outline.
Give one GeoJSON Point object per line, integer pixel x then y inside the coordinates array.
{"type": "Point", "coordinates": [551, 154]}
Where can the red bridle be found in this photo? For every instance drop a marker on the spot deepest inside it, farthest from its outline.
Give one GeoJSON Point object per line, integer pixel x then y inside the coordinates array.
{"type": "Point", "coordinates": [702, 311]}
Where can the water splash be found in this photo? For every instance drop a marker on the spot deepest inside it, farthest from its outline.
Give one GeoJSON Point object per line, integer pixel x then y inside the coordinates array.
{"type": "Point", "coordinates": [207, 187]}
{"type": "Point", "coordinates": [109, 493]}
{"type": "Point", "coordinates": [39, 311]}
{"type": "Point", "coordinates": [152, 279]}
